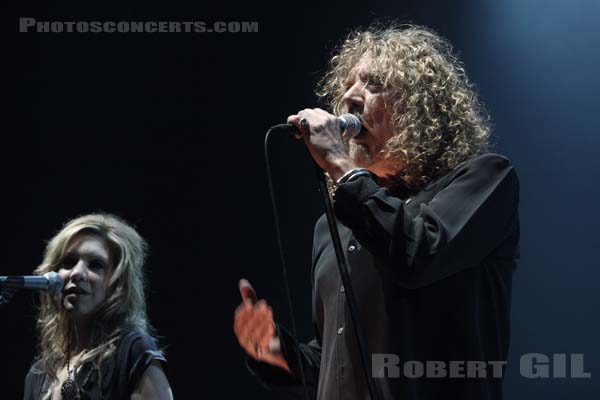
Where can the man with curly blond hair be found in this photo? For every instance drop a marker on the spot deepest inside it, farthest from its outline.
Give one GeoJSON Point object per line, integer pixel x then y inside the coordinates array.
{"type": "Point", "coordinates": [429, 221]}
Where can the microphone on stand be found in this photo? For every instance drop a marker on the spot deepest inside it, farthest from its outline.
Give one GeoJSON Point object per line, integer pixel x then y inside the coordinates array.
{"type": "Point", "coordinates": [50, 282]}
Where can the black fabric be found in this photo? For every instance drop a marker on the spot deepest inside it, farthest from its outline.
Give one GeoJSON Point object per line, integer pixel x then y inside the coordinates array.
{"type": "Point", "coordinates": [432, 277]}
{"type": "Point", "coordinates": [120, 375]}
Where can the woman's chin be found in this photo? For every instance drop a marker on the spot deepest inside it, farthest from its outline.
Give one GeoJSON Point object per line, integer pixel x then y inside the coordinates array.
{"type": "Point", "coordinates": [67, 305]}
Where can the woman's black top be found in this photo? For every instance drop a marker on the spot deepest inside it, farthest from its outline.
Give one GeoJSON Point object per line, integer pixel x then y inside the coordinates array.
{"type": "Point", "coordinates": [120, 374]}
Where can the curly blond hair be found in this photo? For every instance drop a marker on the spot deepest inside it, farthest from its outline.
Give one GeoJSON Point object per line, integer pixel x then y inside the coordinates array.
{"type": "Point", "coordinates": [123, 309]}
{"type": "Point", "coordinates": [437, 119]}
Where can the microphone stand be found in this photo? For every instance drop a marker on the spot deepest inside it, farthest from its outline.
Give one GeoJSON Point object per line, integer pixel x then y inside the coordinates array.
{"type": "Point", "coordinates": [343, 269]}
{"type": "Point", "coordinates": [6, 294]}
{"type": "Point", "coordinates": [341, 260]}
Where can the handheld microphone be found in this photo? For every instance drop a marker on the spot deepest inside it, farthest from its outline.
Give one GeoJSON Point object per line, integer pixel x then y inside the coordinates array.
{"type": "Point", "coordinates": [349, 125]}
{"type": "Point", "coordinates": [50, 282]}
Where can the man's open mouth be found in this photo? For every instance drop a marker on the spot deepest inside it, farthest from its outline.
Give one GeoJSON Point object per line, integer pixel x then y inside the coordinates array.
{"type": "Point", "coordinates": [364, 127]}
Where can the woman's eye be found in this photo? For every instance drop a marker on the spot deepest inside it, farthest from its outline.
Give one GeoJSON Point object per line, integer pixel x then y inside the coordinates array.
{"type": "Point", "coordinates": [68, 262]}
{"type": "Point", "coordinates": [96, 265]}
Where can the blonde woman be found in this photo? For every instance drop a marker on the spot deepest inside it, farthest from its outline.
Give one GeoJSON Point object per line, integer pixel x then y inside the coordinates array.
{"type": "Point", "coordinates": [95, 340]}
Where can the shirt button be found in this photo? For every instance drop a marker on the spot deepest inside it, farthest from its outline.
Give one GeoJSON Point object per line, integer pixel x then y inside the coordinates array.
{"type": "Point", "coordinates": [340, 330]}
{"type": "Point", "coordinates": [352, 247]}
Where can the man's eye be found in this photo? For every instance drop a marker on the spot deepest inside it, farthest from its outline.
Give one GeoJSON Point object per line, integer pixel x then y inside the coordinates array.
{"type": "Point", "coordinates": [375, 81]}
{"type": "Point", "coordinates": [371, 79]}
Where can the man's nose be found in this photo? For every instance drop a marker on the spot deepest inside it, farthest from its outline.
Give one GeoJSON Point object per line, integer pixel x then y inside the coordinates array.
{"type": "Point", "coordinates": [352, 100]}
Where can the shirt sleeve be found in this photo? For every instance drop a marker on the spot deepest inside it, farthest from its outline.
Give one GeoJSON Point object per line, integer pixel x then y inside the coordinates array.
{"type": "Point", "coordinates": [136, 352]}
{"type": "Point", "coordinates": [34, 381]}
{"type": "Point", "coordinates": [474, 212]}
{"type": "Point", "coordinates": [302, 359]}
{"type": "Point", "coordinates": [295, 354]}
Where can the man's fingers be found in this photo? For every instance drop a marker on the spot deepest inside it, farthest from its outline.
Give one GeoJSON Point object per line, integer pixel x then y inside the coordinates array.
{"type": "Point", "coordinates": [242, 315]}
{"type": "Point", "coordinates": [264, 333]}
{"type": "Point", "coordinates": [253, 323]}
{"type": "Point", "coordinates": [247, 291]}
{"type": "Point", "coordinates": [293, 119]}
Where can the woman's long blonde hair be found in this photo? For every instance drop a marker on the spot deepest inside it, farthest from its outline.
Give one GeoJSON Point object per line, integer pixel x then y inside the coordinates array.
{"type": "Point", "coordinates": [123, 309]}
{"type": "Point", "coordinates": [437, 118]}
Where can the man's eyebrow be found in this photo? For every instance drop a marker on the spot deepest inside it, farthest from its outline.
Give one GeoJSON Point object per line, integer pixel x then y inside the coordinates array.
{"type": "Point", "coordinates": [368, 74]}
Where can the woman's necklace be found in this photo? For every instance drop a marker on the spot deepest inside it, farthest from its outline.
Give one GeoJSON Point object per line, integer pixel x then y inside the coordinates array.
{"type": "Point", "coordinates": [69, 390]}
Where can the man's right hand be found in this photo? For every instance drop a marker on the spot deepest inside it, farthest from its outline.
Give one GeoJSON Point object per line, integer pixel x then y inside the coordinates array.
{"type": "Point", "coordinates": [254, 327]}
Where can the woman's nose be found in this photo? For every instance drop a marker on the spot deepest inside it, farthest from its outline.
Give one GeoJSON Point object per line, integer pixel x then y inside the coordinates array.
{"type": "Point", "coordinates": [79, 271]}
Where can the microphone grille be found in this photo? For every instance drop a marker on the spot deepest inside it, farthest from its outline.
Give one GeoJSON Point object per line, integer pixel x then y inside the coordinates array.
{"type": "Point", "coordinates": [55, 282]}
{"type": "Point", "coordinates": [351, 125]}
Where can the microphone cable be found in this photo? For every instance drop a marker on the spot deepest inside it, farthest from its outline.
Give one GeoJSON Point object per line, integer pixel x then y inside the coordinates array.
{"type": "Point", "coordinates": [282, 260]}
{"type": "Point", "coordinates": [374, 389]}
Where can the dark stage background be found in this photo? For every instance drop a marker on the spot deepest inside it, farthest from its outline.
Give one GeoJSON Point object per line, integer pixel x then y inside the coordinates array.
{"type": "Point", "coordinates": [167, 131]}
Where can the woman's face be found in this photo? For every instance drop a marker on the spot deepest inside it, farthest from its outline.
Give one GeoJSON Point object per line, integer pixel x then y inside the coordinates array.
{"type": "Point", "coordinates": [85, 268]}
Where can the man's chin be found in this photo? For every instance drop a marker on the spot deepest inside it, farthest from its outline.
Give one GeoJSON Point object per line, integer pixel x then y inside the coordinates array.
{"type": "Point", "coordinates": [360, 154]}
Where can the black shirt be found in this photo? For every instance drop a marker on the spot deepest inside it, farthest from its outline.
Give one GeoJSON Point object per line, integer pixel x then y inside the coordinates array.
{"type": "Point", "coordinates": [432, 278]}
{"type": "Point", "coordinates": [120, 375]}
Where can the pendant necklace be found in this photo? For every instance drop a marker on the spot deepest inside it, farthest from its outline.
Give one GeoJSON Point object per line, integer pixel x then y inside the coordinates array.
{"type": "Point", "coordinates": [69, 390]}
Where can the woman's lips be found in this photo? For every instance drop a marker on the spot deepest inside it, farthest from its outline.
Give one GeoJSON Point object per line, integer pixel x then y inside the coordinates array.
{"type": "Point", "coordinates": [74, 292]}
{"type": "Point", "coordinates": [75, 296]}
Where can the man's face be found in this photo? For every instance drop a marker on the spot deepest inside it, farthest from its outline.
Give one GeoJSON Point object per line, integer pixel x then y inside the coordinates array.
{"type": "Point", "coordinates": [85, 269]}
{"type": "Point", "coordinates": [366, 97]}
